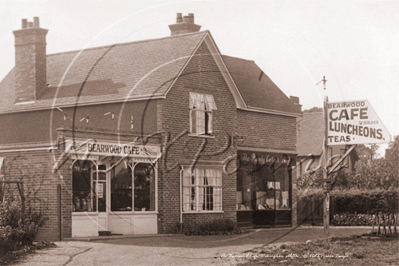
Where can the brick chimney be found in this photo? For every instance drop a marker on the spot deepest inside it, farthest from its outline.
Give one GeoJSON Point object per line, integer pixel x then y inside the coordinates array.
{"type": "Point", "coordinates": [30, 61]}
{"type": "Point", "coordinates": [184, 25]}
{"type": "Point", "coordinates": [295, 100]}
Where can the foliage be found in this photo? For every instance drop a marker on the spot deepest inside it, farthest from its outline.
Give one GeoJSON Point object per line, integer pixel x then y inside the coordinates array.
{"type": "Point", "coordinates": [215, 227]}
{"type": "Point", "coordinates": [357, 201]}
{"type": "Point", "coordinates": [381, 173]}
{"type": "Point", "coordinates": [16, 230]}
{"type": "Point", "coordinates": [370, 172]}
{"type": "Point", "coordinates": [367, 152]}
{"type": "Point", "coordinates": [353, 219]}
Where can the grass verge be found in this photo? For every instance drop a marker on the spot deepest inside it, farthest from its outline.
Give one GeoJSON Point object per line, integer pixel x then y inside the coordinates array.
{"type": "Point", "coordinates": [354, 250]}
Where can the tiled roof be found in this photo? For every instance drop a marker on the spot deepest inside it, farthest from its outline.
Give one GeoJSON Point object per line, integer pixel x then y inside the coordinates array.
{"type": "Point", "coordinates": [310, 134]}
{"type": "Point", "coordinates": [134, 70]}
{"type": "Point", "coordinates": [110, 73]}
{"type": "Point", "coordinates": [257, 89]}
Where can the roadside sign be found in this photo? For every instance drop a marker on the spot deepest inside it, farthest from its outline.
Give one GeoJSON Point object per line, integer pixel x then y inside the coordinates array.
{"type": "Point", "coordinates": [355, 122]}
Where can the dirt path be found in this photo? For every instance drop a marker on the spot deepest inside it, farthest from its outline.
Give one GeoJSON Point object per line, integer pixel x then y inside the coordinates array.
{"type": "Point", "coordinates": [180, 250]}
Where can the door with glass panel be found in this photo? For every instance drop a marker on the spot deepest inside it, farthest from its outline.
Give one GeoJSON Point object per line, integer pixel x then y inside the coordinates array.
{"type": "Point", "coordinates": [99, 196]}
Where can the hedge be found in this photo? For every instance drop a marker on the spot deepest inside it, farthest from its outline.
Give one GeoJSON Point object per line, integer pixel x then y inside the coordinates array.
{"type": "Point", "coordinates": [358, 201]}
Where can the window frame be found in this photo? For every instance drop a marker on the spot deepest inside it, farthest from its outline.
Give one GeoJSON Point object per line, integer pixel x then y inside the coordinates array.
{"type": "Point", "coordinates": [201, 108]}
{"type": "Point", "coordinates": [95, 172]}
{"type": "Point", "coordinates": [193, 204]}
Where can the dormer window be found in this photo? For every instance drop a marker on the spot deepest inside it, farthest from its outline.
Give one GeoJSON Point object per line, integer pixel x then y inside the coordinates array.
{"type": "Point", "coordinates": [201, 113]}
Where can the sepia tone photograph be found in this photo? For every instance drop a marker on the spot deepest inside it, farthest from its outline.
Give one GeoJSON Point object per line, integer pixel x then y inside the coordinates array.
{"type": "Point", "coordinates": [187, 132]}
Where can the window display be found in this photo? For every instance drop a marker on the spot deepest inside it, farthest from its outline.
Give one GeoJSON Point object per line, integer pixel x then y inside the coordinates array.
{"type": "Point", "coordinates": [263, 187]}
{"type": "Point", "coordinates": [91, 192]}
{"type": "Point", "coordinates": [121, 188]}
{"type": "Point", "coordinates": [144, 187]}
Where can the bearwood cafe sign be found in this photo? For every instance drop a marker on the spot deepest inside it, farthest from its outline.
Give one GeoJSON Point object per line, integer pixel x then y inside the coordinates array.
{"type": "Point", "coordinates": [355, 122]}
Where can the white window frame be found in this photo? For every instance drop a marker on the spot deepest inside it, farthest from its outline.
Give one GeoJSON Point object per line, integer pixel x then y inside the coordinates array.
{"type": "Point", "coordinates": [195, 184]}
{"type": "Point", "coordinates": [201, 114]}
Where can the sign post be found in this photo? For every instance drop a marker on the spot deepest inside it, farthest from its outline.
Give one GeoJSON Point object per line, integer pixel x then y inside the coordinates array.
{"type": "Point", "coordinates": [326, 203]}
{"type": "Point", "coordinates": [347, 123]}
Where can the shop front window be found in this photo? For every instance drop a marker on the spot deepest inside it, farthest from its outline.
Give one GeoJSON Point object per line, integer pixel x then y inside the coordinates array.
{"type": "Point", "coordinates": [83, 195]}
{"type": "Point", "coordinates": [91, 192]}
{"type": "Point", "coordinates": [144, 187]}
{"type": "Point", "coordinates": [121, 188]}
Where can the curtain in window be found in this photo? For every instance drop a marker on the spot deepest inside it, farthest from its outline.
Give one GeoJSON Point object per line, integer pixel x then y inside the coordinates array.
{"type": "Point", "coordinates": [186, 190]}
{"type": "Point", "coordinates": [195, 100]}
{"type": "Point", "coordinates": [200, 119]}
{"type": "Point", "coordinates": [200, 176]}
{"type": "Point", "coordinates": [210, 102]}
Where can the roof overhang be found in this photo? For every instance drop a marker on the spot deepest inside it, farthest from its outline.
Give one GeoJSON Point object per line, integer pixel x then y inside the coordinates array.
{"type": "Point", "coordinates": [240, 103]}
{"type": "Point", "coordinates": [268, 111]}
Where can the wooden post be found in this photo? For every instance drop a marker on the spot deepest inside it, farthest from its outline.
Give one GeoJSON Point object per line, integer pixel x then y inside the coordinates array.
{"type": "Point", "coordinates": [23, 202]}
{"type": "Point", "coordinates": [59, 212]}
{"type": "Point", "coordinates": [326, 205]}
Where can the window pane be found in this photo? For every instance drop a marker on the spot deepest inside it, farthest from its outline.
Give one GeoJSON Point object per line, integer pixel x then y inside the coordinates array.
{"type": "Point", "coordinates": [102, 196]}
{"type": "Point", "coordinates": [144, 187]}
{"type": "Point", "coordinates": [81, 186]}
{"type": "Point", "coordinates": [121, 188]}
{"type": "Point", "coordinates": [282, 189]}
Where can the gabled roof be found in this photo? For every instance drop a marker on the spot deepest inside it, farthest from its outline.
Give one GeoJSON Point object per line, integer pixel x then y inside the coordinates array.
{"type": "Point", "coordinates": [310, 134]}
{"type": "Point", "coordinates": [142, 70]}
{"type": "Point", "coordinates": [257, 89]}
{"type": "Point", "coordinates": [110, 73]}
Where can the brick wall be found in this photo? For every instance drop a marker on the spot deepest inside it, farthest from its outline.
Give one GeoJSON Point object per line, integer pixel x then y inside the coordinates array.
{"type": "Point", "coordinates": [37, 126]}
{"type": "Point", "coordinates": [201, 75]}
{"type": "Point", "coordinates": [40, 188]}
{"type": "Point", "coordinates": [267, 131]}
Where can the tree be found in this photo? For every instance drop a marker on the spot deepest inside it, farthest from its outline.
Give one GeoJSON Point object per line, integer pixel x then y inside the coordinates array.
{"type": "Point", "coordinates": [374, 172]}
{"type": "Point", "coordinates": [367, 152]}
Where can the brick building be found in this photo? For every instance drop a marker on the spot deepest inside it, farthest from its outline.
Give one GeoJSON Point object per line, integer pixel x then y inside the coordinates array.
{"type": "Point", "coordinates": [137, 137]}
{"type": "Point", "coordinates": [310, 137]}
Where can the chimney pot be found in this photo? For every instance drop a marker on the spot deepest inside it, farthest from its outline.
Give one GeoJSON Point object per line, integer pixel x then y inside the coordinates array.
{"type": "Point", "coordinates": [184, 25]}
{"type": "Point", "coordinates": [191, 17]}
{"type": "Point", "coordinates": [36, 23]}
{"type": "Point", "coordinates": [179, 18]}
{"type": "Point", "coordinates": [24, 23]}
{"type": "Point", "coordinates": [186, 19]}
{"type": "Point", "coordinates": [30, 24]}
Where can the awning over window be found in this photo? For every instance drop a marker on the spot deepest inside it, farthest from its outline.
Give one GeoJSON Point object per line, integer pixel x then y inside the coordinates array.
{"type": "Point", "coordinates": [199, 101]}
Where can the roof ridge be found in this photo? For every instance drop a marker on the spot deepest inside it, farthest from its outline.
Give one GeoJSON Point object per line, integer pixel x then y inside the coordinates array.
{"type": "Point", "coordinates": [128, 43]}
{"type": "Point", "coordinates": [243, 59]}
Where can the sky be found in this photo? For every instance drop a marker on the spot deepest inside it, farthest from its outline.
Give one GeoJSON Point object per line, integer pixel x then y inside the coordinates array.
{"type": "Point", "coordinates": [354, 44]}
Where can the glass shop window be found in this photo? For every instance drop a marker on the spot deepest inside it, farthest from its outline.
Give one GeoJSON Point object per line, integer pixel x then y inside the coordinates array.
{"type": "Point", "coordinates": [81, 179]}
{"type": "Point", "coordinates": [121, 188]}
{"type": "Point", "coordinates": [244, 188]}
{"type": "Point", "coordinates": [144, 187]}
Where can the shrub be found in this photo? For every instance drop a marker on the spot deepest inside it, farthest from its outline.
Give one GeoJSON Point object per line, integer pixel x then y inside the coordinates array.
{"type": "Point", "coordinates": [359, 201]}
{"type": "Point", "coordinates": [215, 227]}
{"type": "Point", "coordinates": [17, 231]}
{"type": "Point", "coordinates": [352, 219]}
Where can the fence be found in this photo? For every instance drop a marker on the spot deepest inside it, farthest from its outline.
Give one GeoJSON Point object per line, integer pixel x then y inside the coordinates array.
{"type": "Point", "coordinates": [310, 210]}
